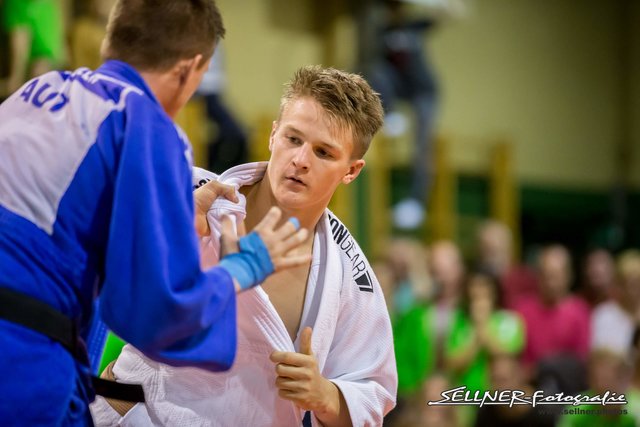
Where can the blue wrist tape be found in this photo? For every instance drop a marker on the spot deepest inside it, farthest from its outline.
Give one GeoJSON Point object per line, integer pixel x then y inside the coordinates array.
{"type": "Point", "coordinates": [252, 264]}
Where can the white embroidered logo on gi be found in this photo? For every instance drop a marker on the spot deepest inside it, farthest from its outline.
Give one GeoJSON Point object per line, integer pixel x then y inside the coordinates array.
{"type": "Point", "coordinates": [347, 244]}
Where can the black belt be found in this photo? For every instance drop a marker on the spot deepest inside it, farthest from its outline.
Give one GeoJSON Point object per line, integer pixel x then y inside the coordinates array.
{"type": "Point", "coordinates": [34, 314]}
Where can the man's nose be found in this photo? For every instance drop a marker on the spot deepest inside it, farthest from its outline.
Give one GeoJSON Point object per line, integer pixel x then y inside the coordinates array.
{"type": "Point", "coordinates": [301, 158]}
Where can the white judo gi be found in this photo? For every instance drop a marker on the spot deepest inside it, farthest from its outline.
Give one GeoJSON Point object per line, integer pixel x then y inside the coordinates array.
{"type": "Point", "coordinates": [352, 341]}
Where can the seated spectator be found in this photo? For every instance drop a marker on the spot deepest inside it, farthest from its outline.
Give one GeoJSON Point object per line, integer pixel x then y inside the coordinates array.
{"type": "Point", "coordinates": [613, 322]}
{"type": "Point", "coordinates": [436, 415]}
{"type": "Point", "coordinates": [628, 267]}
{"type": "Point", "coordinates": [608, 373]}
{"type": "Point", "coordinates": [481, 330]}
{"type": "Point", "coordinates": [407, 260]}
{"type": "Point", "coordinates": [420, 333]}
{"type": "Point", "coordinates": [507, 374]}
{"type": "Point", "coordinates": [495, 255]}
{"type": "Point", "coordinates": [556, 322]}
{"type": "Point", "coordinates": [599, 277]}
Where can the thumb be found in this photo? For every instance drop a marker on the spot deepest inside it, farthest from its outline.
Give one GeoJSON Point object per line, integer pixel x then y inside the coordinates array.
{"type": "Point", "coordinates": [305, 341]}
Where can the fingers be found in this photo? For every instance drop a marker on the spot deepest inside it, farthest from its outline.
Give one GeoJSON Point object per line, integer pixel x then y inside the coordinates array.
{"type": "Point", "coordinates": [228, 237]}
{"type": "Point", "coordinates": [217, 189]}
{"type": "Point", "coordinates": [289, 358]}
{"type": "Point", "coordinates": [305, 341]}
{"type": "Point", "coordinates": [294, 240]}
{"type": "Point", "coordinates": [290, 261]}
{"type": "Point", "coordinates": [270, 220]}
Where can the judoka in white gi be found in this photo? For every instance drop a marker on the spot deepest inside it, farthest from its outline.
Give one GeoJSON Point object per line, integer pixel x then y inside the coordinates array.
{"type": "Point", "coordinates": [314, 338]}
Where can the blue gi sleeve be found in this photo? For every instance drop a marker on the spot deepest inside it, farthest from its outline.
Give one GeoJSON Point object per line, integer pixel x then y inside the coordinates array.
{"type": "Point", "coordinates": [154, 294]}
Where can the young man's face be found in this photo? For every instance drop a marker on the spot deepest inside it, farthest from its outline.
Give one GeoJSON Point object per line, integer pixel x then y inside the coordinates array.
{"type": "Point", "coordinates": [310, 156]}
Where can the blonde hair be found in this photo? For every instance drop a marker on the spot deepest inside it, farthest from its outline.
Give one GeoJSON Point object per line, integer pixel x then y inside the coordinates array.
{"type": "Point", "coordinates": [347, 98]}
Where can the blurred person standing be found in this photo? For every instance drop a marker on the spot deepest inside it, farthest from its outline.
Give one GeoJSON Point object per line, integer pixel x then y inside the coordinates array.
{"type": "Point", "coordinates": [96, 199]}
{"type": "Point", "coordinates": [228, 145]}
{"type": "Point", "coordinates": [403, 72]}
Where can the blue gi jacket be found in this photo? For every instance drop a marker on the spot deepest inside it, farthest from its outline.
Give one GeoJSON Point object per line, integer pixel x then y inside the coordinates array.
{"type": "Point", "coordinates": [96, 199]}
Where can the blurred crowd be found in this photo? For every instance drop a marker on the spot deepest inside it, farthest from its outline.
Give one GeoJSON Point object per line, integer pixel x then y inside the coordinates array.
{"type": "Point", "coordinates": [568, 323]}
{"type": "Point", "coordinates": [487, 322]}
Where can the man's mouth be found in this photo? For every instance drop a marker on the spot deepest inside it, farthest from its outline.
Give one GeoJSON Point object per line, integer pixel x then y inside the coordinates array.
{"type": "Point", "coordinates": [295, 179]}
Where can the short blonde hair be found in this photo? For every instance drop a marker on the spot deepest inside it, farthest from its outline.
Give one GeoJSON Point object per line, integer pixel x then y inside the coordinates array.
{"type": "Point", "coordinates": [346, 97]}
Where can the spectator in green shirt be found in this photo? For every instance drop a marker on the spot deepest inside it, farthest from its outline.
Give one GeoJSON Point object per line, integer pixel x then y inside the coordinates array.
{"type": "Point", "coordinates": [480, 330]}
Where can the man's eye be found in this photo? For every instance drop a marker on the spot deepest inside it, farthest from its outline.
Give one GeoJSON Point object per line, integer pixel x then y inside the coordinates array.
{"type": "Point", "coordinates": [323, 153]}
{"type": "Point", "coordinates": [293, 139]}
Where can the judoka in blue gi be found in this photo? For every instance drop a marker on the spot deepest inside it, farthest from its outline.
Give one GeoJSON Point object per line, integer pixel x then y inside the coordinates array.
{"type": "Point", "coordinates": [96, 200]}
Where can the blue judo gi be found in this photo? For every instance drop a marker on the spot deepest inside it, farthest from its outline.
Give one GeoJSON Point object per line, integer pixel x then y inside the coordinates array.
{"type": "Point", "coordinates": [96, 199]}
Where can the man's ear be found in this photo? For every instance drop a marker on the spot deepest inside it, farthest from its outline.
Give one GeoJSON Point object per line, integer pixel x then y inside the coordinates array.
{"type": "Point", "coordinates": [354, 170]}
{"type": "Point", "coordinates": [187, 67]}
{"type": "Point", "coordinates": [274, 127]}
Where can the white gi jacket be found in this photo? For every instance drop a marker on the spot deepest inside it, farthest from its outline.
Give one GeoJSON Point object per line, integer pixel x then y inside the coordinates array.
{"type": "Point", "coordinates": [352, 341]}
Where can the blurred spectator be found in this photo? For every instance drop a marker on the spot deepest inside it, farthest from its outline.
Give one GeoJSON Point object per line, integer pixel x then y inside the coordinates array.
{"type": "Point", "coordinates": [385, 277]}
{"type": "Point", "coordinates": [633, 392]}
{"type": "Point", "coordinates": [507, 374]}
{"type": "Point", "coordinates": [227, 147]}
{"type": "Point", "coordinates": [420, 333]}
{"type": "Point", "coordinates": [36, 38]}
{"type": "Point", "coordinates": [613, 322]}
{"type": "Point", "coordinates": [481, 330]}
{"type": "Point", "coordinates": [402, 72]}
{"type": "Point", "coordinates": [608, 372]}
{"type": "Point", "coordinates": [436, 415]}
{"type": "Point", "coordinates": [417, 412]}
{"type": "Point", "coordinates": [495, 255]}
{"type": "Point", "coordinates": [407, 260]}
{"type": "Point", "coordinates": [628, 267]}
{"type": "Point", "coordinates": [599, 277]}
{"type": "Point", "coordinates": [556, 322]}
{"type": "Point", "coordinates": [87, 33]}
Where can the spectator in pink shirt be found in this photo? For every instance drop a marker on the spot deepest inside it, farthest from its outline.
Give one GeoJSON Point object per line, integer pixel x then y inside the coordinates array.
{"type": "Point", "coordinates": [557, 323]}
